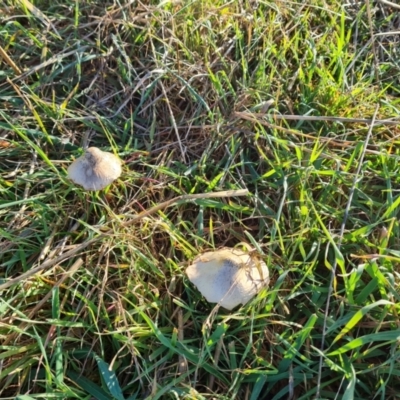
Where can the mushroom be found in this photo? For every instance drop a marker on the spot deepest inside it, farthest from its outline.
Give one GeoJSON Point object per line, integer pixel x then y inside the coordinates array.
{"type": "Point", "coordinates": [95, 170]}
{"type": "Point", "coordinates": [228, 276]}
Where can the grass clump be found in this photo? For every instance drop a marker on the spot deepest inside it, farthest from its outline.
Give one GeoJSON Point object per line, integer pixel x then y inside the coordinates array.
{"type": "Point", "coordinates": [99, 307]}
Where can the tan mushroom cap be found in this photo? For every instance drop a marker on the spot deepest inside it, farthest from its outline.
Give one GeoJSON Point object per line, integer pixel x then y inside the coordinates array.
{"type": "Point", "coordinates": [228, 276]}
{"type": "Point", "coordinates": [95, 170]}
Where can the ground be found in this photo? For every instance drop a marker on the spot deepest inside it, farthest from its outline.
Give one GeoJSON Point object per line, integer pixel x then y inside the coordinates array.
{"type": "Point", "coordinates": [294, 103]}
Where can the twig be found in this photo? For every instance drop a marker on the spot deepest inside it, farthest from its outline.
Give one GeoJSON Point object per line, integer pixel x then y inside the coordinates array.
{"type": "Point", "coordinates": [254, 116]}
{"type": "Point", "coordinates": [217, 354]}
{"type": "Point", "coordinates": [174, 123]}
{"type": "Point", "coordinates": [342, 228]}
{"type": "Point", "coordinates": [49, 263]}
{"type": "Point", "coordinates": [52, 60]}
{"type": "Point", "coordinates": [9, 61]}
{"type": "Point", "coordinates": [390, 4]}
{"type": "Point", "coordinates": [109, 232]}
{"type": "Point", "coordinates": [19, 215]}
{"type": "Point", "coordinates": [39, 15]}
{"type": "Point", "coordinates": [61, 244]}
{"type": "Point", "coordinates": [185, 197]}
{"type": "Point", "coordinates": [371, 32]}
{"type": "Point", "coordinates": [183, 364]}
{"type": "Point", "coordinates": [42, 302]}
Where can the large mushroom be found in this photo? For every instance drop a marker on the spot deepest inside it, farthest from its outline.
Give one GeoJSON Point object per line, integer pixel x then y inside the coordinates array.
{"type": "Point", "coordinates": [228, 276]}
{"type": "Point", "coordinates": [95, 170]}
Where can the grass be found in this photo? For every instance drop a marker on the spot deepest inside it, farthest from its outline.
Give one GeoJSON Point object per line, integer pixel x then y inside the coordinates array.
{"type": "Point", "coordinates": [94, 299]}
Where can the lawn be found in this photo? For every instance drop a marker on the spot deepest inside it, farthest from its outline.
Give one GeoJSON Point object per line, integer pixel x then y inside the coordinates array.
{"type": "Point", "coordinates": [268, 126]}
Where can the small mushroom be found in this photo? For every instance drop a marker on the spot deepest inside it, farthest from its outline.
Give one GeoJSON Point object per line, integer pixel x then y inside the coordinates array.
{"type": "Point", "coordinates": [228, 276]}
{"type": "Point", "coordinates": [95, 170]}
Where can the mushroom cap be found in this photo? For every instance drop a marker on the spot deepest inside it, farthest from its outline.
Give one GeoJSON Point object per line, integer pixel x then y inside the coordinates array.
{"type": "Point", "coordinates": [228, 276]}
{"type": "Point", "coordinates": [95, 170]}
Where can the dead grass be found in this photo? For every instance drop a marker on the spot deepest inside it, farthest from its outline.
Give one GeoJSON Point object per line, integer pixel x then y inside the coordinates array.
{"type": "Point", "coordinates": [182, 92]}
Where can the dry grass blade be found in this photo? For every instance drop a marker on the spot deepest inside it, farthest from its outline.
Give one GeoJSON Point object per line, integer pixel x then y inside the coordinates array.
{"type": "Point", "coordinates": [79, 248]}
{"type": "Point", "coordinates": [390, 4]}
{"type": "Point", "coordinates": [50, 61]}
{"type": "Point", "coordinates": [184, 198]}
{"type": "Point", "coordinates": [253, 116]}
{"type": "Point", "coordinates": [182, 91]}
{"type": "Point", "coordinates": [183, 364]}
{"type": "Point", "coordinates": [39, 15]}
{"type": "Point", "coordinates": [334, 266]}
{"type": "Point", "coordinates": [49, 263]}
{"type": "Point", "coordinates": [217, 355]}
{"type": "Point", "coordinates": [75, 266]}
{"type": "Point", "coordinates": [9, 61]}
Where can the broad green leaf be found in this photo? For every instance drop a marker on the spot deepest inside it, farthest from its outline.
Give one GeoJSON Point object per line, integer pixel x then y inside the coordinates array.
{"type": "Point", "coordinates": [298, 343]}
{"type": "Point", "coordinates": [349, 391]}
{"type": "Point", "coordinates": [180, 349]}
{"type": "Point", "coordinates": [390, 210]}
{"type": "Point", "coordinates": [389, 336]}
{"type": "Point", "coordinates": [110, 379]}
{"type": "Point", "coordinates": [357, 317]}
{"type": "Point", "coordinates": [217, 334]}
{"type": "Point", "coordinates": [255, 394]}
{"type": "Point", "coordinates": [90, 387]}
